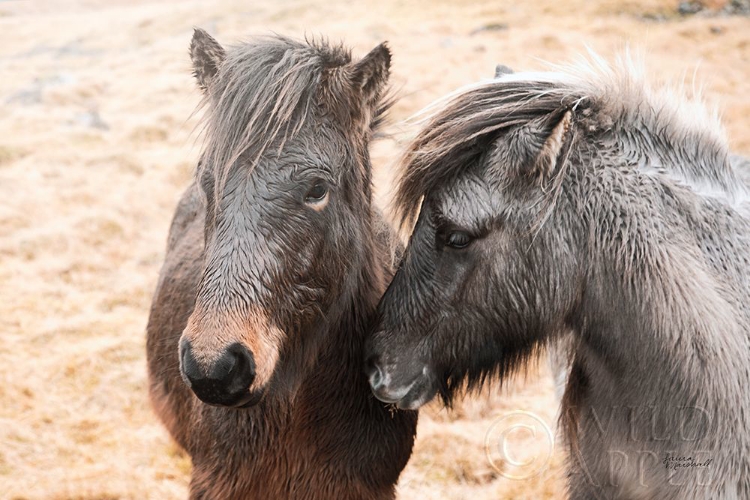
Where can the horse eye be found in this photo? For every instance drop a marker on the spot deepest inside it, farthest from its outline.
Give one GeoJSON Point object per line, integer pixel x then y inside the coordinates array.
{"type": "Point", "coordinates": [317, 193]}
{"type": "Point", "coordinates": [458, 240]}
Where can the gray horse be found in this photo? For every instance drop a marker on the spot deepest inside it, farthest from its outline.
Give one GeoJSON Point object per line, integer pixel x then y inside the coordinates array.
{"type": "Point", "coordinates": [583, 201]}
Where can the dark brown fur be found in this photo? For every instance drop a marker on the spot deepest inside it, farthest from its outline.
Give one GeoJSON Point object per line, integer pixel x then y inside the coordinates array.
{"type": "Point", "coordinates": [317, 432]}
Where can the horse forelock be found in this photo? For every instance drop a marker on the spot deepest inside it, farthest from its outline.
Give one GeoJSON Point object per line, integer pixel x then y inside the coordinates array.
{"type": "Point", "coordinates": [665, 129]}
{"type": "Point", "coordinates": [463, 129]}
{"type": "Point", "coordinates": [266, 91]}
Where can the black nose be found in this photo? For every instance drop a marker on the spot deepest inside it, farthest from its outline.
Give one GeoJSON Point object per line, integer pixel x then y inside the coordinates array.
{"type": "Point", "coordinates": [226, 382]}
{"type": "Point", "coordinates": [374, 373]}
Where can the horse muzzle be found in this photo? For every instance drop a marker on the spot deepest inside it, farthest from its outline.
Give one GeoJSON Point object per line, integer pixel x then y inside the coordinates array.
{"type": "Point", "coordinates": [406, 393]}
{"type": "Point", "coordinates": [226, 381]}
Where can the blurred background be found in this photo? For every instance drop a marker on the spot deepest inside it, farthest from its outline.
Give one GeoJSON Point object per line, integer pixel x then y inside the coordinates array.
{"type": "Point", "coordinates": [97, 142]}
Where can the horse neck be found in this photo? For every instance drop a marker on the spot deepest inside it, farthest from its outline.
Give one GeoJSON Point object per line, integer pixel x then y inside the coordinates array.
{"type": "Point", "coordinates": [657, 323]}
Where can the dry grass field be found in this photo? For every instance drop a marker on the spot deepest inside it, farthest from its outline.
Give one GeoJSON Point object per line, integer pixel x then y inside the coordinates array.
{"type": "Point", "coordinates": [97, 143]}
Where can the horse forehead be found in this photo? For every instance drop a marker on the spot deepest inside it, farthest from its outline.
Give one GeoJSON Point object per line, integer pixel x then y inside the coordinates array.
{"type": "Point", "coordinates": [298, 156]}
{"type": "Point", "coordinates": [466, 200]}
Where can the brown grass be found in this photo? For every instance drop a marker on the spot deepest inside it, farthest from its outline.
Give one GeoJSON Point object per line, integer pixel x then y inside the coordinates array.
{"type": "Point", "coordinates": [84, 207]}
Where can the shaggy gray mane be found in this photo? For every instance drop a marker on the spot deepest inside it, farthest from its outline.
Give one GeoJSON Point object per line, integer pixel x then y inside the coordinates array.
{"type": "Point", "coordinates": [264, 93]}
{"type": "Point", "coordinates": [663, 130]}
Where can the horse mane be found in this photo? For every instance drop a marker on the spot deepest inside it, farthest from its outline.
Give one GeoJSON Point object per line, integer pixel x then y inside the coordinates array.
{"type": "Point", "coordinates": [264, 93]}
{"type": "Point", "coordinates": [664, 129]}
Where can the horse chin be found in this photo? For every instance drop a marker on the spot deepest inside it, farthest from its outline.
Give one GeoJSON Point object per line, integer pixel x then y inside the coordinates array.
{"type": "Point", "coordinates": [251, 399]}
{"type": "Point", "coordinates": [248, 400]}
{"type": "Point", "coordinates": [409, 397]}
{"type": "Point", "coordinates": [420, 393]}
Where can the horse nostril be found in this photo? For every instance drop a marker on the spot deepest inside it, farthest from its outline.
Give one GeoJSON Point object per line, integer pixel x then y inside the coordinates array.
{"type": "Point", "coordinates": [240, 367]}
{"type": "Point", "coordinates": [226, 381]}
{"type": "Point", "coordinates": [188, 366]}
{"type": "Point", "coordinates": [375, 374]}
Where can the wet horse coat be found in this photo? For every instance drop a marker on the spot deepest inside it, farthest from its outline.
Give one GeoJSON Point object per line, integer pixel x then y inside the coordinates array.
{"type": "Point", "coordinates": [275, 261]}
{"type": "Point", "coordinates": [583, 201]}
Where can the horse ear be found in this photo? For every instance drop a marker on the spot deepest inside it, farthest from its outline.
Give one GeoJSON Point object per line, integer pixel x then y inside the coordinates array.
{"type": "Point", "coordinates": [370, 74]}
{"type": "Point", "coordinates": [207, 55]}
{"type": "Point", "coordinates": [501, 70]}
{"type": "Point", "coordinates": [546, 161]}
{"type": "Point", "coordinates": [534, 148]}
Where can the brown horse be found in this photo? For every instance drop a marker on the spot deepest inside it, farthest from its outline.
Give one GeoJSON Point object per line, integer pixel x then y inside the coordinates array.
{"type": "Point", "coordinates": [275, 262]}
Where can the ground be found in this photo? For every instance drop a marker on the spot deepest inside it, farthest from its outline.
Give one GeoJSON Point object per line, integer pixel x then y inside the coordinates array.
{"type": "Point", "coordinates": [97, 142]}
